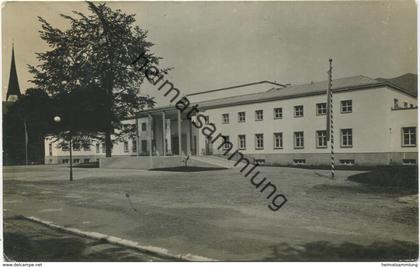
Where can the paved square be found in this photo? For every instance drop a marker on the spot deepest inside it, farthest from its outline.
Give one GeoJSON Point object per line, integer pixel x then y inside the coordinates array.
{"type": "Point", "coordinates": [219, 214]}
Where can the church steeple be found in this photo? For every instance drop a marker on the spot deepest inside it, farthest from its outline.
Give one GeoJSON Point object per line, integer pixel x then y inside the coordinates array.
{"type": "Point", "coordinates": [13, 91]}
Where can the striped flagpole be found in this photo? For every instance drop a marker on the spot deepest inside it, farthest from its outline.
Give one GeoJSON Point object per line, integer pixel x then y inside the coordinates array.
{"type": "Point", "coordinates": [330, 124]}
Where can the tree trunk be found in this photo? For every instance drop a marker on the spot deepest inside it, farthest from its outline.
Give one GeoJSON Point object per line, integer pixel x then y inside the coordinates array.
{"type": "Point", "coordinates": [108, 144]}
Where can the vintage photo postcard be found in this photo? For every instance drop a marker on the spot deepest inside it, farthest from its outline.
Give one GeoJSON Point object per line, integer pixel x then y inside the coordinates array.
{"type": "Point", "coordinates": [210, 132]}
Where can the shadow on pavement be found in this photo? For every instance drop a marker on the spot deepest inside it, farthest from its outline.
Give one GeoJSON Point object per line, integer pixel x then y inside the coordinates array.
{"type": "Point", "coordinates": [327, 251]}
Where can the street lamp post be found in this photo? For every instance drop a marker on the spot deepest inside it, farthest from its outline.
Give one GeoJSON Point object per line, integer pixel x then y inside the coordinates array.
{"type": "Point", "coordinates": [57, 119]}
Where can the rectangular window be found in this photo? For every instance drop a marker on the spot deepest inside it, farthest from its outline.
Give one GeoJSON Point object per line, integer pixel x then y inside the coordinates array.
{"type": "Point", "coordinates": [241, 116]}
{"type": "Point", "coordinates": [125, 147]}
{"type": "Point", "coordinates": [409, 161]}
{"type": "Point", "coordinates": [98, 148]}
{"type": "Point", "coordinates": [86, 147]}
{"type": "Point", "coordinates": [349, 162]}
{"type": "Point", "coordinates": [76, 146]}
{"type": "Point", "coordinates": [226, 142]}
{"type": "Point", "coordinates": [144, 127]}
{"type": "Point", "coordinates": [86, 160]}
{"type": "Point", "coordinates": [259, 115]}
{"type": "Point", "coordinates": [299, 141]}
{"type": "Point", "coordinates": [103, 148]}
{"type": "Point", "coordinates": [207, 119]}
{"type": "Point", "coordinates": [321, 139]}
{"type": "Point", "coordinates": [298, 111]}
{"type": "Point", "coordinates": [278, 140]}
{"type": "Point", "coordinates": [66, 161]}
{"type": "Point", "coordinates": [241, 141]}
{"type": "Point", "coordinates": [260, 161]}
{"type": "Point", "coordinates": [346, 137]}
{"type": "Point", "coordinates": [278, 113]}
{"type": "Point", "coordinates": [76, 161]}
{"type": "Point", "coordinates": [65, 147]}
{"type": "Point", "coordinates": [346, 106]}
{"type": "Point", "coordinates": [321, 108]}
{"type": "Point", "coordinates": [225, 118]}
{"type": "Point", "coordinates": [299, 161]}
{"type": "Point", "coordinates": [409, 136]}
{"type": "Point", "coordinates": [135, 145]}
{"type": "Point", "coordinates": [144, 146]}
{"type": "Point", "coordinates": [50, 149]}
{"type": "Point", "coordinates": [395, 103]}
{"type": "Point", "coordinates": [259, 141]}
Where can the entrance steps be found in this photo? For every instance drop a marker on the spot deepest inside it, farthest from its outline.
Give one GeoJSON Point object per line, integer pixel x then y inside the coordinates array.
{"type": "Point", "coordinates": [217, 161]}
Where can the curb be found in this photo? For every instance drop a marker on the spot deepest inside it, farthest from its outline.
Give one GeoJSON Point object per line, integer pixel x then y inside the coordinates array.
{"type": "Point", "coordinates": [161, 252]}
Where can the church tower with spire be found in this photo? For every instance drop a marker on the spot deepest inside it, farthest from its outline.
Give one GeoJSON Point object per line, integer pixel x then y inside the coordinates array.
{"type": "Point", "coordinates": [13, 91]}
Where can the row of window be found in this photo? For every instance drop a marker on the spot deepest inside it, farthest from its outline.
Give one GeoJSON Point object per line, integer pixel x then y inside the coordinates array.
{"type": "Point", "coordinates": [346, 139]}
{"type": "Point", "coordinates": [99, 148]}
{"type": "Point", "coordinates": [298, 140]}
{"type": "Point", "coordinates": [321, 109]}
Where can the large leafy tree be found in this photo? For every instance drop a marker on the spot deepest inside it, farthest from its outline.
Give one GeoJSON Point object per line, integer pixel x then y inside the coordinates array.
{"type": "Point", "coordinates": [92, 59]}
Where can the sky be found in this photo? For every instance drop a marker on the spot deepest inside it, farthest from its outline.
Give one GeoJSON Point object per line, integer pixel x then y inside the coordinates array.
{"type": "Point", "coordinates": [212, 45]}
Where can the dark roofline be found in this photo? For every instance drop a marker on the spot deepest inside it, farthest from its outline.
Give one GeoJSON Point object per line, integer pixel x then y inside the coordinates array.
{"type": "Point", "coordinates": [237, 86]}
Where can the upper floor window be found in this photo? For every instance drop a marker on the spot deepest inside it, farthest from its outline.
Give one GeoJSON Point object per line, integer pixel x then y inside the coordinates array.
{"type": "Point", "coordinates": [299, 141]}
{"type": "Point", "coordinates": [225, 118]}
{"type": "Point", "coordinates": [298, 111]}
{"type": "Point", "coordinates": [86, 147]}
{"type": "Point", "coordinates": [50, 149]}
{"type": "Point", "coordinates": [321, 139]}
{"type": "Point", "coordinates": [241, 116]}
{"type": "Point", "coordinates": [125, 147]}
{"type": "Point", "coordinates": [409, 136]}
{"type": "Point", "coordinates": [321, 108]}
{"type": "Point", "coordinates": [259, 115]}
{"type": "Point", "coordinates": [259, 141]}
{"type": "Point", "coordinates": [278, 140]}
{"type": "Point", "coordinates": [346, 137]}
{"type": "Point", "coordinates": [346, 106]}
{"type": "Point", "coordinates": [144, 126]}
{"type": "Point", "coordinates": [65, 147]}
{"type": "Point", "coordinates": [278, 113]}
{"type": "Point", "coordinates": [396, 103]}
{"type": "Point", "coordinates": [241, 141]}
{"type": "Point", "coordinates": [207, 119]}
{"type": "Point", "coordinates": [76, 146]}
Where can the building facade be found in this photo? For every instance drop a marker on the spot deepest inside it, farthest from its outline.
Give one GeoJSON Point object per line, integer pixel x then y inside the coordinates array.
{"type": "Point", "coordinates": [374, 122]}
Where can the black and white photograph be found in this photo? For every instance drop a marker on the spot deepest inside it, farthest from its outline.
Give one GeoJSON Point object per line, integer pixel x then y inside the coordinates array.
{"type": "Point", "coordinates": [210, 131]}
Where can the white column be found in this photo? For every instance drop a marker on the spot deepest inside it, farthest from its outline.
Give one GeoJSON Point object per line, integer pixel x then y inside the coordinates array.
{"type": "Point", "coordinates": [163, 133]}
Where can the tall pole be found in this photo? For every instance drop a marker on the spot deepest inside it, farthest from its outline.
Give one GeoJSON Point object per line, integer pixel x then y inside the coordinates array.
{"type": "Point", "coordinates": [26, 140]}
{"type": "Point", "coordinates": [71, 158]}
{"type": "Point", "coordinates": [331, 128]}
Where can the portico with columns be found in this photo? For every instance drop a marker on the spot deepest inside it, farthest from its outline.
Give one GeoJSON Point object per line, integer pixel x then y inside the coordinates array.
{"type": "Point", "coordinates": [165, 132]}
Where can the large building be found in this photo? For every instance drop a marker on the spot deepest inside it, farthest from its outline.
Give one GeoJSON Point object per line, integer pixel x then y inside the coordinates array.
{"type": "Point", "coordinates": [375, 123]}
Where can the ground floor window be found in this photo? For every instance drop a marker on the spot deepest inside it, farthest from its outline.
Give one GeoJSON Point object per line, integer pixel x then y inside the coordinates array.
{"type": "Point", "coordinates": [299, 141]}
{"type": "Point", "coordinates": [50, 149]}
{"type": "Point", "coordinates": [321, 139]}
{"type": "Point", "coordinates": [86, 160]}
{"type": "Point", "coordinates": [409, 136]}
{"type": "Point", "coordinates": [103, 148]}
{"type": "Point", "coordinates": [259, 141]}
{"type": "Point", "coordinates": [346, 137]}
{"type": "Point", "coordinates": [226, 142]}
{"type": "Point", "coordinates": [134, 142]}
{"type": "Point", "coordinates": [66, 161]}
{"type": "Point", "coordinates": [278, 140]}
{"type": "Point", "coordinates": [125, 147]}
{"type": "Point", "coordinates": [76, 161]}
{"type": "Point", "coordinates": [241, 141]}
{"type": "Point", "coordinates": [98, 148]}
